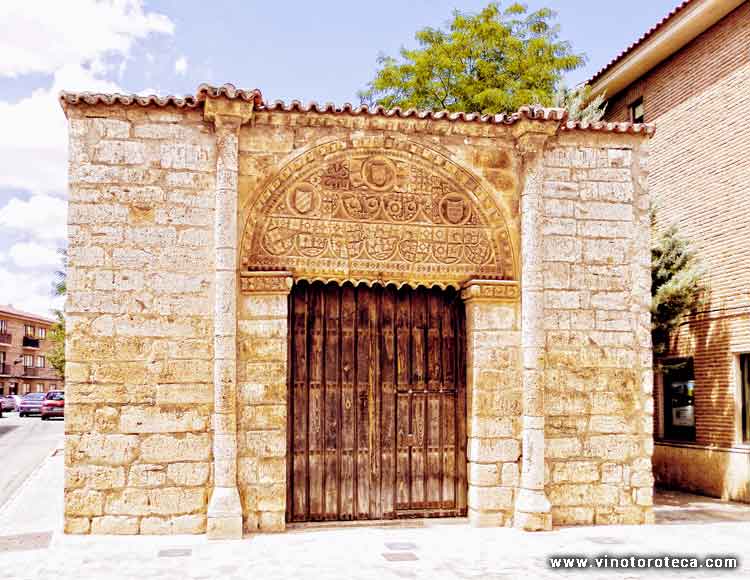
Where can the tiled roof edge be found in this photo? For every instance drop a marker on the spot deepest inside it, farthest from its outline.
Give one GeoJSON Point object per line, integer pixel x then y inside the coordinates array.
{"type": "Point", "coordinates": [534, 113]}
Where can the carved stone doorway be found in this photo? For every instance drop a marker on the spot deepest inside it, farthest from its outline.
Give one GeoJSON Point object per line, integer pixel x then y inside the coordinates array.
{"type": "Point", "coordinates": [377, 403]}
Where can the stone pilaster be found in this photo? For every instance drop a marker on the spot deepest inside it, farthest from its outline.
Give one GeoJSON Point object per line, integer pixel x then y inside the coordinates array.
{"type": "Point", "coordinates": [532, 508]}
{"type": "Point", "coordinates": [225, 509]}
{"type": "Point", "coordinates": [263, 366]}
{"type": "Point", "coordinates": [493, 399]}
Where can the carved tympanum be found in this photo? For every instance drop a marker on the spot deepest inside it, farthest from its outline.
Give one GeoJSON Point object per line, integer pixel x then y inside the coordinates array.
{"type": "Point", "coordinates": [380, 212]}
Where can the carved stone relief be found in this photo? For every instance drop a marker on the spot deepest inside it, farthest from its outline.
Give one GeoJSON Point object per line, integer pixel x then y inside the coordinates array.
{"type": "Point", "coordinates": [378, 211]}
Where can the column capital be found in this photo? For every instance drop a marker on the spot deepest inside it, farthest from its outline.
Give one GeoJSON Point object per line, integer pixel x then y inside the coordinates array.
{"type": "Point", "coordinates": [220, 111]}
{"type": "Point", "coordinates": [491, 291]}
{"type": "Point", "coordinates": [531, 135]}
{"type": "Point", "coordinates": [266, 282]}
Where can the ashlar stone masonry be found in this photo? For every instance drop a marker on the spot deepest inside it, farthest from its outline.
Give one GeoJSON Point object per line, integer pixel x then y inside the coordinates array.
{"type": "Point", "coordinates": [193, 220]}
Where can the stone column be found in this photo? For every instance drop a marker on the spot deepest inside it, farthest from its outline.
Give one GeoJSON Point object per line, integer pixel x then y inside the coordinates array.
{"type": "Point", "coordinates": [493, 399]}
{"type": "Point", "coordinates": [532, 508]}
{"type": "Point", "coordinates": [224, 519]}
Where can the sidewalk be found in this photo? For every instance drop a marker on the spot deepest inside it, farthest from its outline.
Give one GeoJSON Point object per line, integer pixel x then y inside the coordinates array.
{"type": "Point", "coordinates": [431, 550]}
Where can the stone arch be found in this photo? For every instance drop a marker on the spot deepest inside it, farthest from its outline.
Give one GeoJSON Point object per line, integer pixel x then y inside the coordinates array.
{"type": "Point", "coordinates": [378, 209]}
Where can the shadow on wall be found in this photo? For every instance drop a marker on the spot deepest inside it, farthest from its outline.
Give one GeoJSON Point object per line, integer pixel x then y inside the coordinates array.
{"type": "Point", "coordinates": [716, 472]}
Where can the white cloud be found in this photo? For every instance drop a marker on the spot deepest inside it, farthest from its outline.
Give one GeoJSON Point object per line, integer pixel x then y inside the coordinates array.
{"type": "Point", "coordinates": [43, 216]}
{"type": "Point", "coordinates": [34, 255]}
{"type": "Point", "coordinates": [30, 291]}
{"type": "Point", "coordinates": [33, 142]}
{"type": "Point", "coordinates": [181, 65]}
{"type": "Point", "coordinates": [41, 36]}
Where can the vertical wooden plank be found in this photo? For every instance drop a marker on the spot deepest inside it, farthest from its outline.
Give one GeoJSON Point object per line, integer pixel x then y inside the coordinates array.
{"type": "Point", "coordinates": [434, 341]}
{"type": "Point", "coordinates": [418, 428]}
{"type": "Point", "coordinates": [418, 334]}
{"type": "Point", "coordinates": [449, 476]}
{"type": "Point", "coordinates": [331, 402]}
{"type": "Point", "coordinates": [448, 404]}
{"type": "Point", "coordinates": [388, 402]}
{"type": "Point", "coordinates": [299, 411]}
{"type": "Point", "coordinates": [363, 403]}
{"type": "Point", "coordinates": [348, 402]}
{"type": "Point", "coordinates": [461, 467]}
{"type": "Point", "coordinates": [403, 408]}
{"type": "Point", "coordinates": [433, 450]}
{"type": "Point", "coordinates": [374, 310]}
{"type": "Point", "coordinates": [316, 443]}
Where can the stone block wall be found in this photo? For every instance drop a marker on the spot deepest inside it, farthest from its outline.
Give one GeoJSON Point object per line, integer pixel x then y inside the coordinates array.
{"type": "Point", "coordinates": [262, 401]}
{"type": "Point", "coordinates": [139, 320]}
{"type": "Point", "coordinates": [177, 350]}
{"type": "Point", "coordinates": [493, 385]}
{"type": "Point", "coordinates": [597, 373]}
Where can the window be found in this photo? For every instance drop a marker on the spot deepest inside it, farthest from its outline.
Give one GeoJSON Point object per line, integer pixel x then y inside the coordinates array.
{"type": "Point", "coordinates": [29, 330]}
{"type": "Point", "coordinates": [745, 392]}
{"type": "Point", "coordinates": [2, 357]}
{"type": "Point", "coordinates": [637, 112]}
{"type": "Point", "coordinates": [40, 387]}
{"type": "Point", "coordinates": [26, 388]}
{"type": "Point", "coordinates": [3, 326]}
{"type": "Point", "coordinates": [40, 362]}
{"type": "Point", "coordinates": [41, 333]}
{"type": "Point", "coordinates": [679, 406]}
{"type": "Point", "coordinates": [28, 360]}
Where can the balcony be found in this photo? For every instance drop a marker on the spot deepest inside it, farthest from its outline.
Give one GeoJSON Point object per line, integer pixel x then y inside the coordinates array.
{"type": "Point", "coordinates": [5, 369]}
{"type": "Point", "coordinates": [5, 337]}
{"type": "Point", "coordinates": [31, 371]}
{"type": "Point", "coordinates": [29, 342]}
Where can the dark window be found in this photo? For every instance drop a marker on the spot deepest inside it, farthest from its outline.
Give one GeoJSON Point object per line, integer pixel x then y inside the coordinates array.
{"type": "Point", "coordinates": [55, 396]}
{"type": "Point", "coordinates": [679, 407]}
{"type": "Point", "coordinates": [745, 387]}
{"type": "Point", "coordinates": [3, 326]}
{"type": "Point", "coordinates": [637, 112]}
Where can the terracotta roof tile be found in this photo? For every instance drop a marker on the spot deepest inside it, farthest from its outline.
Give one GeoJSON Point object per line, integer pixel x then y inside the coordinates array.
{"type": "Point", "coordinates": [676, 10]}
{"type": "Point", "coordinates": [231, 92]}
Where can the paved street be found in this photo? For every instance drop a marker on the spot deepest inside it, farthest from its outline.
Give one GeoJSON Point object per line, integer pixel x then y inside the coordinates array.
{"type": "Point", "coordinates": [32, 546]}
{"type": "Point", "coordinates": [24, 444]}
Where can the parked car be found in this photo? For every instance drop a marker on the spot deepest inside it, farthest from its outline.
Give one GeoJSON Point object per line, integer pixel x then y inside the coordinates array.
{"type": "Point", "coordinates": [53, 405]}
{"type": "Point", "coordinates": [9, 403]}
{"type": "Point", "coordinates": [31, 404]}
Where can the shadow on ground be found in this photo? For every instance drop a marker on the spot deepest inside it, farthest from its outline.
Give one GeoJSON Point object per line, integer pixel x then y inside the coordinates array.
{"type": "Point", "coordinates": [677, 507]}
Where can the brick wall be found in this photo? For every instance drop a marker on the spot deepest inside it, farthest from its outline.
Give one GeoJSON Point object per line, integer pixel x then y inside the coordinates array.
{"type": "Point", "coordinates": [45, 376]}
{"type": "Point", "coordinates": [698, 100]}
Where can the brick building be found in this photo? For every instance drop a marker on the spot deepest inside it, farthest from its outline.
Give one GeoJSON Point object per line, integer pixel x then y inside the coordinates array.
{"type": "Point", "coordinates": [24, 344]}
{"type": "Point", "coordinates": [690, 76]}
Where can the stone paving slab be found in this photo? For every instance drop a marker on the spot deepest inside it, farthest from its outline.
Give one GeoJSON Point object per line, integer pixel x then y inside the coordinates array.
{"type": "Point", "coordinates": [429, 549]}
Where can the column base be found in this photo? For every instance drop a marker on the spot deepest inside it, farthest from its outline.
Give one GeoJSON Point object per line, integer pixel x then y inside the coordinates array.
{"type": "Point", "coordinates": [533, 511]}
{"type": "Point", "coordinates": [224, 518]}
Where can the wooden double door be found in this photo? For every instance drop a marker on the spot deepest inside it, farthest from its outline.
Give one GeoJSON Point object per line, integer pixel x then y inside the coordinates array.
{"type": "Point", "coordinates": [377, 403]}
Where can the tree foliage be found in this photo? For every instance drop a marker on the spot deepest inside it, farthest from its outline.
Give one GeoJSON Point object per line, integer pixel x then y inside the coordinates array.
{"type": "Point", "coordinates": [56, 355]}
{"type": "Point", "coordinates": [490, 62]}
{"type": "Point", "coordinates": [676, 285]}
{"type": "Point", "coordinates": [579, 103]}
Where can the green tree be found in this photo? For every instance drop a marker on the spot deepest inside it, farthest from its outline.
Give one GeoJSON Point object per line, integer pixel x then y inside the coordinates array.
{"type": "Point", "coordinates": [579, 103]}
{"type": "Point", "coordinates": [56, 355]}
{"type": "Point", "coordinates": [490, 62]}
{"type": "Point", "coordinates": [676, 283]}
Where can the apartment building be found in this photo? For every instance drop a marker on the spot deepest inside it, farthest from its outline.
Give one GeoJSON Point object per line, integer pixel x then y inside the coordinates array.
{"type": "Point", "coordinates": [690, 76]}
{"type": "Point", "coordinates": [24, 344]}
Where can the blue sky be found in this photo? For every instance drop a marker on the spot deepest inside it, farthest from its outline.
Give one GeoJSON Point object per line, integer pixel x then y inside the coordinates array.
{"type": "Point", "coordinates": [324, 51]}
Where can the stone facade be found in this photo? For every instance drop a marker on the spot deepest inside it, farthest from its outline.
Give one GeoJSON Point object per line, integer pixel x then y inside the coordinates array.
{"type": "Point", "coordinates": [190, 221]}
